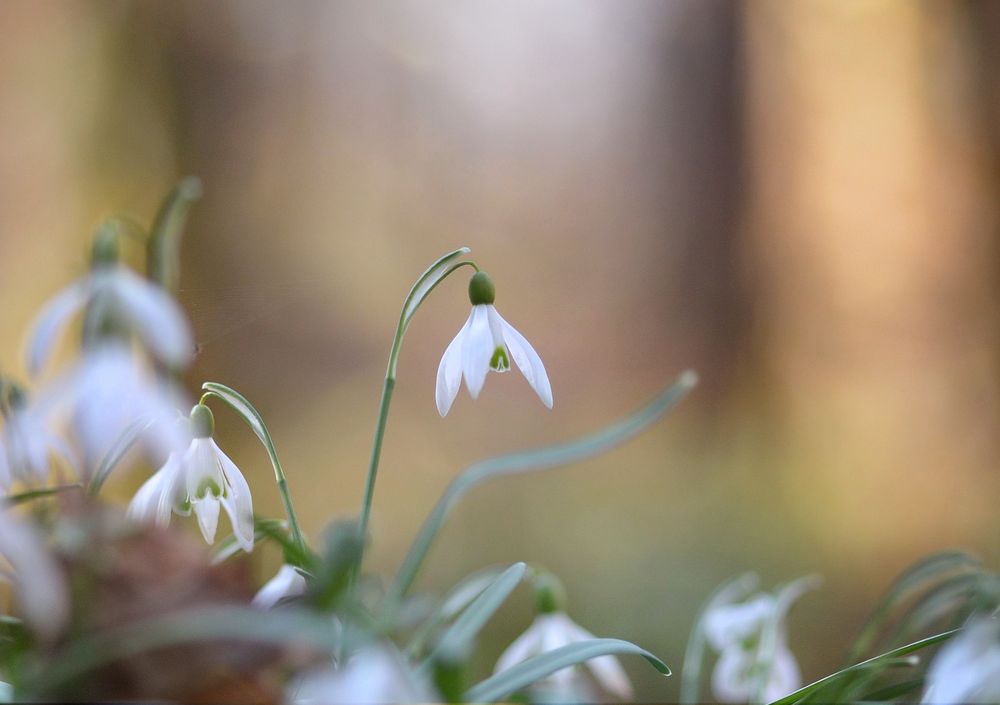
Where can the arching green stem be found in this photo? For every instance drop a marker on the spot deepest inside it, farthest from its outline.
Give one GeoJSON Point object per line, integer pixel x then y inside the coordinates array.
{"type": "Point", "coordinates": [434, 275]}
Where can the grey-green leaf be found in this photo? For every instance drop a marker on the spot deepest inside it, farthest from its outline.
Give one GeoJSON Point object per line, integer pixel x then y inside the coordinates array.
{"type": "Point", "coordinates": [459, 636]}
{"type": "Point", "coordinates": [530, 460]}
{"type": "Point", "coordinates": [502, 685]}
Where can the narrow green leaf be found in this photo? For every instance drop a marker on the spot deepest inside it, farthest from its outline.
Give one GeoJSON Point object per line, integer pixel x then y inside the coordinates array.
{"type": "Point", "coordinates": [122, 445]}
{"type": "Point", "coordinates": [876, 661]}
{"type": "Point", "coordinates": [268, 529]}
{"type": "Point", "coordinates": [694, 656]}
{"type": "Point", "coordinates": [892, 692]}
{"type": "Point", "coordinates": [343, 544]}
{"type": "Point", "coordinates": [949, 595]}
{"type": "Point", "coordinates": [502, 685]}
{"type": "Point", "coordinates": [914, 578]}
{"type": "Point", "coordinates": [456, 600]}
{"type": "Point", "coordinates": [163, 257]}
{"type": "Point", "coordinates": [22, 497]}
{"type": "Point", "coordinates": [459, 636]}
{"type": "Point", "coordinates": [530, 460]}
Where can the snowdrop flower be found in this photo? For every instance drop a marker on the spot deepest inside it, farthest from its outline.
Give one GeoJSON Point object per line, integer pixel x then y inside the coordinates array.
{"type": "Point", "coordinates": [486, 342]}
{"type": "Point", "coordinates": [203, 479]}
{"type": "Point", "coordinates": [376, 674]}
{"type": "Point", "coordinates": [106, 392]}
{"type": "Point", "coordinates": [28, 443]}
{"type": "Point", "coordinates": [552, 629]}
{"type": "Point", "coordinates": [737, 631]}
{"type": "Point", "coordinates": [37, 579]}
{"type": "Point", "coordinates": [287, 583]}
{"type": "Point", "coordinates": [967, 670]}
{"type": "Point", "coordinates": [126, 298]}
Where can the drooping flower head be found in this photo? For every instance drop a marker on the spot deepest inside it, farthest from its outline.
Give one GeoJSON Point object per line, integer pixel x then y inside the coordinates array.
{"type": "Point", "coordinates": [202, 479]}
{"type": "Point", "coordinates": [286, 584]}
{"type": "Point", "coordinates": [592, 681]}
{"type": "Point", "coordinates": [750, 637]}
{"type": "Point", "coordinates": [117, 299]}
{"type": "Point", "coordinates": [28, 443]}
{"type": "Point", "coordinates": [486, 342]}
{"type": "Point", "coordinates": [38, 580]}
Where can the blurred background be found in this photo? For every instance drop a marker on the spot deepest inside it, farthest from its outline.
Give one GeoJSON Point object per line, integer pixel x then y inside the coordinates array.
{"type": "Point", "coordinates": [796, 199]}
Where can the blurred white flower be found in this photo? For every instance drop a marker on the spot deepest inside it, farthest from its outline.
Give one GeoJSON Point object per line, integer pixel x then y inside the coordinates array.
{"type": "Point", "coordinates": [203, 479]}
{"type": "Point", "coordinates": [37, 579]}
{"type": "Point", "coordinates": [751, 640]}
{"type": "Point", "coordinates": [377, 674]}
{"type": "Point", "coordinates": [145, 307]}
{"type": "Point", "coordinates": [29, 443]}
{"type": "Point", "coordinates": [552, 630]}
{"type": "Point", "coordinates": [486, 342]}
{"type": "Point", "coordinates": [287, 583]}
{"type": "Point", "coordinates": [967, 670]}
{"type": "Point", "coordinates": [106, 392]}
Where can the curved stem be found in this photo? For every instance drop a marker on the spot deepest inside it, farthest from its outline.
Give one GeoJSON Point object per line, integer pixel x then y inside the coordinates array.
{"type": "Point", "coordinates": [388, 384]}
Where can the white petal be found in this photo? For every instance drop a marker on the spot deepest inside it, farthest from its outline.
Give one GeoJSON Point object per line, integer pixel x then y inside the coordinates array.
{"type": "Point", "coordinates": [157, 318]}
{"type": "Point", "coordinates": [40, 587]}
{"type": "Point", "coordinates": [731, 682]}
{"type": "Point", "coordinates": [728, 625]}
{"type": "Point", "coordinates": [202, 466]}
{"type": "Point", "coordinates": [527, 361]}
{"type": "Point", "coordinates": [158, 495]}
{"type": "Point", "coordinates": [449, 376]}
{"type": "Point", "coordinates": [477, 349]}
{"type": "Point", "coordinates": [4, 469]}
{"type": "Point", "coordinates": [237, 500]}
{"type": "Point", "coordinates": [207, 512]}
{"type": "Point", "coordinates": [288, 582]}
{"type": "Point", "coordinates": [784, 677]}
{"type": "Point", "coordinates": [52, 318]}
{"type": "Point", "coordinates": [521, 649]}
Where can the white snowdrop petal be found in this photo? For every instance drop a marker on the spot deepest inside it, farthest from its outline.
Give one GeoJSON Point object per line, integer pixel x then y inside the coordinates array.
{"type": "Point", "coordinates": [39, 582]}
{"type": "Point", "coordinates": [237, 500]}
{"type": "Point", "coordinates": [784, 677]}
{"type": "Point", "coordinates": [207, 512]}
{"type": "Point", "coordinates": [521, 649]}
{"type": "Point", "coordinates": [528, 361]}
{"type": "Point", "coordinates": [158, 319]}
{"type": "Point", "coordinates": [145, 503]}
{"type": "Point", "coordinates": [5, 478]}
{"type": "Point", "coordinates": [477, 349]}
{"type": "Point", "coordinates": [449, 375]}
{"type": "Point", "coordinates": [730, 678]}
{"type": "Point", "coordinates": [286, 583]}
{"type": "Point", "coordinates": [52, 318]}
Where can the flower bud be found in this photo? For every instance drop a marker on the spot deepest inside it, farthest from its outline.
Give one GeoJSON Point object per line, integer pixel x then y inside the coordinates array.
{"type": "Point", "coordinates": [550, 595]}
{"type": "Point", "coordinates": [202, 421]}
{"type": "Point", "coordinates": [104, 251]}
{"type": "Point", "coordinates": [481, 289]}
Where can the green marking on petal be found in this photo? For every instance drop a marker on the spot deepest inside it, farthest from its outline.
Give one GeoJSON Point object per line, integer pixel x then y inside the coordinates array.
{"type": "Point", "coordinates": [208, 485]}
{"type": "Point", "coordinates": [500, 362]}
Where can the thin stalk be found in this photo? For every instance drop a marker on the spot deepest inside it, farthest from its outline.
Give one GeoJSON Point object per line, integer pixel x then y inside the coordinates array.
{"type": "Point", "coordinates": [410, 305]}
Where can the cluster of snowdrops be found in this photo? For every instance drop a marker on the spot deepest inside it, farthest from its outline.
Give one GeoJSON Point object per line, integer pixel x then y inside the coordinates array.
{"type": "Point", "coordinates": [112, 604]}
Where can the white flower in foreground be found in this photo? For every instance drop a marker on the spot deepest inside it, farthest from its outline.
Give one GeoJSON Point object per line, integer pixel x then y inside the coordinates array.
{"type": "Point", "coordinates": [124, 296]}
{"type": "Point", "coordinates": [287, 583]}
{"type": "Point", "coordinates": [967, 670]}
{"type": "Point", "coordinates": [28, 443]}
{"type": "Point", "coordinates": [738, 631]}
{"type": "Point", "coordinates": [486, 342]}
{"type": "Point", "coordinates": [203, 479]}
{"type": "Point", "coordinates": [106, 392]}
{"type": "Point", "coordinates": [552, 630]}
{"type": "Point", "coordinates": [377, 674]}
{"type": "Point", "coordinates": [38, 581]}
